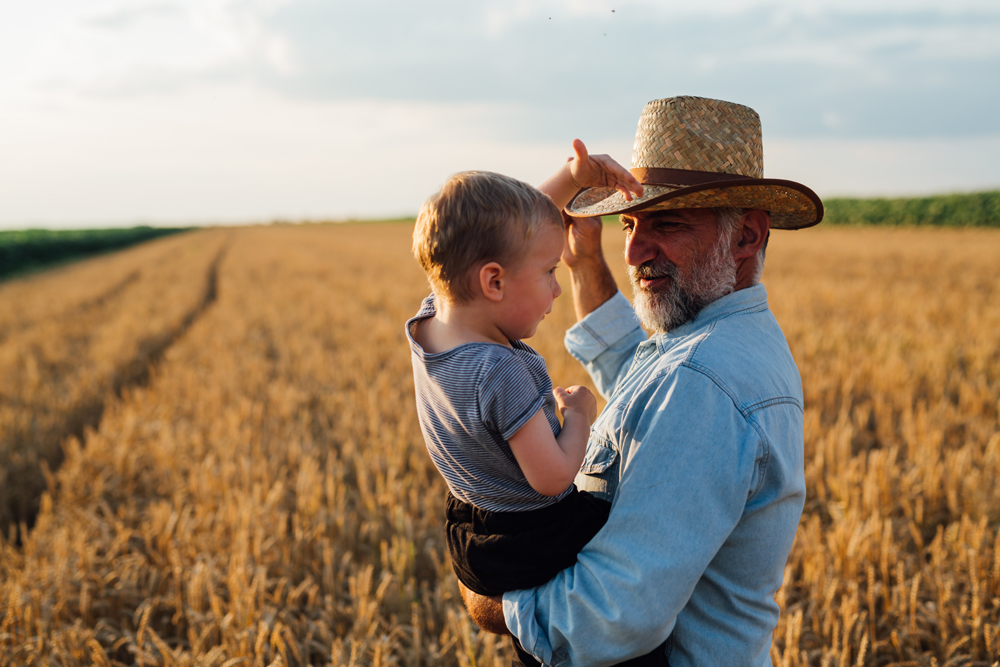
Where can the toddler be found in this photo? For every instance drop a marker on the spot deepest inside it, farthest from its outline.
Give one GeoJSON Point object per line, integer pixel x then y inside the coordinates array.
{"type": "Point", "coordinates": [490, 245]}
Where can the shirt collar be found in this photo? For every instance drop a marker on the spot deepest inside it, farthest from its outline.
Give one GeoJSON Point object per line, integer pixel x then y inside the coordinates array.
{"type": "Point", "coordinates": [749, 298]}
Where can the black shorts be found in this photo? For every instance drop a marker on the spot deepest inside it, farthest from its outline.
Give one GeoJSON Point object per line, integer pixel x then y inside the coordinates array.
{"type": "Point", "coordinates": [495, 552]}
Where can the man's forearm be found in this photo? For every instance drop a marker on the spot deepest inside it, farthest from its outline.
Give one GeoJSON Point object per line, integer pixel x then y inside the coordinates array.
{"type": "Point", "coordinates": [593, 285]}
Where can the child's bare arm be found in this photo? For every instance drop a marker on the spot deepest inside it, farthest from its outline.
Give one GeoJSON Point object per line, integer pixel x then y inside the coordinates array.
{"type": "Point", "coordinates": [586, 171]}
{"type": "Point", "coordinates": [550, 463]}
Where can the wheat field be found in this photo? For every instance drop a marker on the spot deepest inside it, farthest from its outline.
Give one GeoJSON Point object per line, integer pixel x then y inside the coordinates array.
{"type": "Point", "coordinates": [209, 453]}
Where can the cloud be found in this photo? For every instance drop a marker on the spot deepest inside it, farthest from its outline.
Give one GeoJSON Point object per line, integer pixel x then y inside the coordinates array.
{"type": "Point", "coordinates": [885, 69]}
{"type": "Point", "coordinates": [246, 155]}
{"type": "Point", "coordinates": [125, 16]}
{"type": "Point", "coordinates": [881, 167]}
{"type": "Point", "coordinates": [249, 109]}
{"type": "Point", "coordinates": [890, 73]}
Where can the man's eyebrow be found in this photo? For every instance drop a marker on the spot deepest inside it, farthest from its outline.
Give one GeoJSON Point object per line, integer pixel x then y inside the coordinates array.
{"type": "Point", "coordinates": [669, 216]}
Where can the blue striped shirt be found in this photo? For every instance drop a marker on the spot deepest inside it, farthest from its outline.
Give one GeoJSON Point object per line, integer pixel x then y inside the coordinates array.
{"type": "Point", "coordinates": [470, 400]}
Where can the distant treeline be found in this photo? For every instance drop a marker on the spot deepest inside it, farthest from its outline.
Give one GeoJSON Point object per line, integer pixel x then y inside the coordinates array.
{"type": "Point", "coordinates": [32, 249]}
{"type": "Point", "coordinates": [979, 209]}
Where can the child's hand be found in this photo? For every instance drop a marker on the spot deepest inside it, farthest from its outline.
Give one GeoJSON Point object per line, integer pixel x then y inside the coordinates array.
{"type": "Point", "coordinates": [576, 398]}
{"type": "Point", "coordinates": [588, 171]}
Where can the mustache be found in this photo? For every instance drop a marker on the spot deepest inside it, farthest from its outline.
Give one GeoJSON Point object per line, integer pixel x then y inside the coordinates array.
{"type": "Point", "coordinates": [653, 269]}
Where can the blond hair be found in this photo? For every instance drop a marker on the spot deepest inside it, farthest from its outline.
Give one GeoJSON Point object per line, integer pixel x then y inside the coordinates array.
{"type": "Point", "coordinates": [477, 217]}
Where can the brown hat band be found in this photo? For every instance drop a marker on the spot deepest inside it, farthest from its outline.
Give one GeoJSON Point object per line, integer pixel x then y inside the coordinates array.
{"type": "Point", "coordinates": [686, 177]}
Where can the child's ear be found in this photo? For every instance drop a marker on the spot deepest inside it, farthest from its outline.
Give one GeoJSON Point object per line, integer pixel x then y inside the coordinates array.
{"type": "Point", "coordinates": [491, 281]}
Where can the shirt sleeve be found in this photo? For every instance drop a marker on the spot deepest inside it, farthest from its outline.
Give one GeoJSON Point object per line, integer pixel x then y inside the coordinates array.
{"type": "Point", "coordinates": [508, 396]}
{"type": "Point", "coordinates": [683, 489]}
{"type": "Point", "coordinates": [605, 341]}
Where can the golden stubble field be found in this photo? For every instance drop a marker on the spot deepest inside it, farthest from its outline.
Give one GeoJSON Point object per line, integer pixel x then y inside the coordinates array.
{"type": "Point", "coordinates": [209, 453]}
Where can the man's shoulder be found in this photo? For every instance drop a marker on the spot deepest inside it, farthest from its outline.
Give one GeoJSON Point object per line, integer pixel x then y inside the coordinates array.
{"type": "Point", "coordinates": [745, 353]}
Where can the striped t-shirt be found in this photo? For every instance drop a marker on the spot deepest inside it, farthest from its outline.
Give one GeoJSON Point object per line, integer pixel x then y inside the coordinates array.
{"type": "Point", "coordinates": [470, 400]}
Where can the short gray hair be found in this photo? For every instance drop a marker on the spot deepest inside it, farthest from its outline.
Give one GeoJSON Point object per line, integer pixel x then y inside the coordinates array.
{"type": "Point", "coordinates": [729, 219]}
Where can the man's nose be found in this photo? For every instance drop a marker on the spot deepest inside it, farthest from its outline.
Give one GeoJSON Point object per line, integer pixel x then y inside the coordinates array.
{"type": "Point", "coordinates": [638, 250]}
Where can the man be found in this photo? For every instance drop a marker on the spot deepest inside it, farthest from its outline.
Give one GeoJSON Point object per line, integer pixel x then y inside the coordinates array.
{"type": "Point", "coordinates": [700, 446]}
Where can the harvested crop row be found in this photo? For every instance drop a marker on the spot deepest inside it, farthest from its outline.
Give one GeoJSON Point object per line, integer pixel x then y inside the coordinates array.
{"type": "Point", "coordinates": [78, 335]}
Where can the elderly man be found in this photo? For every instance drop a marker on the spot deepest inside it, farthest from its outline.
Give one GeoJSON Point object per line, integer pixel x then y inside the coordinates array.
{"type": "Point", "coordinates": [700, 446]}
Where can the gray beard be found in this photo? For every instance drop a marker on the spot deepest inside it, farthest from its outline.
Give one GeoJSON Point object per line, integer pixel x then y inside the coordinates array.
{"type": "Point", "coordinates": [686, 295]}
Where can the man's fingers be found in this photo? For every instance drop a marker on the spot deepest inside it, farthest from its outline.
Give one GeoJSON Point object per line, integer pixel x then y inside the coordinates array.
{"type": "Point", "coordinates": [581, 151]}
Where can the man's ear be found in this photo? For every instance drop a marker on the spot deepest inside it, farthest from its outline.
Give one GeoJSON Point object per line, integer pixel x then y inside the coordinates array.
{"type": "Point", "coordinates": [491, 281]}
{"type": "Point", "coordinates": [752, 233]}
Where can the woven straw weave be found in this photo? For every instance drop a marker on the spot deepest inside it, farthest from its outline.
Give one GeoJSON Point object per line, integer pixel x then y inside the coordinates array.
{"type": "Point", "coordinates": [703, 137]}
{"type": "Point", "coordinates": [787, 206]}
{"type": "Point", "coordinates": [700, 134]}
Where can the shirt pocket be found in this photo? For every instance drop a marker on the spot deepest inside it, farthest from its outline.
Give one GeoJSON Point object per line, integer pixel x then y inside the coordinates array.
{"type": "Point", "coordinates": [599, 472]}
{"type": "Point", "coordinates": [598, 459]}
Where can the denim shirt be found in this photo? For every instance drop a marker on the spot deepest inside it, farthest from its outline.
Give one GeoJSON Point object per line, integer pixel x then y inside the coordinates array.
{"type": "Point", "coordinates": [700, 451]}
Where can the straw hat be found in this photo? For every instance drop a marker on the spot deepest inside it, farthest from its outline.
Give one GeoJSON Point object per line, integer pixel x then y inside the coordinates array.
{"type": "Point", "coordinates": [694, 152]}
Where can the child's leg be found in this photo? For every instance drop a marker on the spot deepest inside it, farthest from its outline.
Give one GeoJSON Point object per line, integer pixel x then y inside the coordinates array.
{"type": "Point", "coordinates": [495, 552]}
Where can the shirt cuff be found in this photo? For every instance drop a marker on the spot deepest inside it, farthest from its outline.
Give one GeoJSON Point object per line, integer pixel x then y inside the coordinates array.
{"type": "Point", "coordinates": [601, 328]}
{"type": "Point", "coordinates": [519, 614]}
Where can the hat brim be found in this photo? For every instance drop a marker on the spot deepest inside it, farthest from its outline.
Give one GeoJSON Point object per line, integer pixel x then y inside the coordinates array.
{"type": "Point", "coordinates": [792, 205]}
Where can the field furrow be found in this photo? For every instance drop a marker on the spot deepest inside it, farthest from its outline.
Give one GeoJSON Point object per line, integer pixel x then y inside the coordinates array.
{"type": "Point", "coordinates": [84, 347]}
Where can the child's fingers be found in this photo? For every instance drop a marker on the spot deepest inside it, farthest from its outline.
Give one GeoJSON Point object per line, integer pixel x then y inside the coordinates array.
{"type": "Point", "coordinates": [618, 176]}
{"type": "Point", "coordinates": [635, 186]}
{"type": "Point", "coordinates": [629, 190]}
{"type": "Point", "coordinates": [620, 187]}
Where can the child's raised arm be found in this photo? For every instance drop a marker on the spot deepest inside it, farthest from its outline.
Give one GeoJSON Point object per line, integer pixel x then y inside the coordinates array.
{"type": "Point", "coordinates": [588, 171]}
{"type": "Point", "coordinates": [550, 463]}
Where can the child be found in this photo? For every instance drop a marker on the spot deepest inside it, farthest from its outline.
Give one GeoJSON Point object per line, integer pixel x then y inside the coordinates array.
{"type": "Point", "coordinates": [490, 245]}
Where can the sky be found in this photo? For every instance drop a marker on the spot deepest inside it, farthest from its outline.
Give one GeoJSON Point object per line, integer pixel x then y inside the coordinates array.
{"type": "Point", "coordinates": [117, 112]}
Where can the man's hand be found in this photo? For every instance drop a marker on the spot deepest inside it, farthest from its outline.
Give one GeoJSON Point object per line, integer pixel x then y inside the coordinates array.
{"type": "Point", "coordinates": [583, 242]}
{"type": "Point", "coordinates": [487, 612]}
{"type": "Point", "coordinates": [590, 276]}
